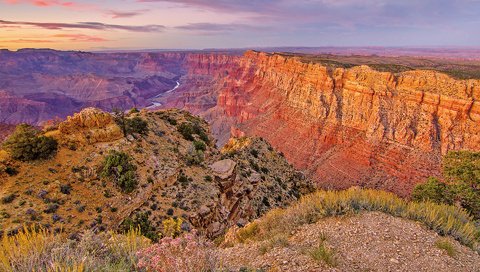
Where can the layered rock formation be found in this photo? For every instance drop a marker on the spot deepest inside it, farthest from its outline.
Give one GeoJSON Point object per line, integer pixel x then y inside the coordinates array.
{"type": "Point", "coordinates": [345, 126]}
{"type": "Point", "coordinates": [89, 126]}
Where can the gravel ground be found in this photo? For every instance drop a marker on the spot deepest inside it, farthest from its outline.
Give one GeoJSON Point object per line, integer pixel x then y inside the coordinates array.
{"type": "Point", "coordinates": [366, 242]}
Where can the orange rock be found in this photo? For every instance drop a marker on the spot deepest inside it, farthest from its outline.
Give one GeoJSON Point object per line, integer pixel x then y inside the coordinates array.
{"type": "Point", "coordinates": [346, 126]}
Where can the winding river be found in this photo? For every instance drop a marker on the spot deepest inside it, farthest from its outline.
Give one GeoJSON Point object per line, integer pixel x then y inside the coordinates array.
{"type": "Point", "coordinates": [158, 104]}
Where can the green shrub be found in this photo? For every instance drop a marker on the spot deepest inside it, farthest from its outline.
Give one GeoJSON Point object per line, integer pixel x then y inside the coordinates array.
{"type": "Point", "coordinates": [462, 185]}
{"type": "Point", "coordinates": [446, 245]}
{"type": "Point", "coordinates": [322, 253]}
{"type": "Point", "coordinates": [462, 170]}
{"type": "Point", "coordinates": [200, 145]}
{"type": "Point", "coordinates": [186, 130]}
{"type": "Point", "coordinates": [189, 129]}
{"type": "Point", "coordinates": [137, 125]}
{"type": "Point", "coordinates": [130, 125]}
{"type": "Point", "coordinates": [432, 190]}
{"type": "Point", "coordinates": [27, 144]}
{"type": "Point", "coordinates": [133, 110]}
{"type": "Point", "coordinates": [118, 165]}
{"type": "Point", "coordinates": [11, 171]}
{"type": "Point", "coordinates": [8, 198]}
{"type": "Point", "coordinates": [142, 223]}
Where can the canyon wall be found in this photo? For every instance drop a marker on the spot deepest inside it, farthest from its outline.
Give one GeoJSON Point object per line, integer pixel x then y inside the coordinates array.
{"type": "Point", "coordinates": [39, 85]}
{"type": "Point", "coordinates": [344, 126]}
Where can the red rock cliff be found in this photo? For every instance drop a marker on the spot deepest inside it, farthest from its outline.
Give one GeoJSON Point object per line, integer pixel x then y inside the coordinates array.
{"type": "Point", "coordinates": [344, 126]}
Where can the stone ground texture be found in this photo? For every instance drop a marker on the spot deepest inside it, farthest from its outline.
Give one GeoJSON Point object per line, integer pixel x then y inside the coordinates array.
{"type": "Point", "coordinates": [367, 242]}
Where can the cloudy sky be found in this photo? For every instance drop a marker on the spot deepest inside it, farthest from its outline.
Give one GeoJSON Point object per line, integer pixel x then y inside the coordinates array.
{"type": "Point", "coordinates": [151, 24]}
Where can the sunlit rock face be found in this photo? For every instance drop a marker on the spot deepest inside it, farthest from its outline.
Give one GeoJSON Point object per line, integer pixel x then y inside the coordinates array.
{"type": "Point", "coordinates": [345, 127]}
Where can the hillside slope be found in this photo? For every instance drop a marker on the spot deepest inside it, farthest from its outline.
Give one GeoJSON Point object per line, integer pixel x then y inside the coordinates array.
{"type": "Point", "coordinates": [179, 173]}
{"type": "Point", "coordinates": [364, 242]}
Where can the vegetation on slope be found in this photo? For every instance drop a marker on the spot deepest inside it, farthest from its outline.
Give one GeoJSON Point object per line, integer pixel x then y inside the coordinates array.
{"type": "Point", "coordinates": [33, 249]}
{"type": "Point", "coordinates": [462, 183]}
{"type": "Point", "coordinates": [27, 144]}
{"type": "Point", "coordinates": [41, 249]}
{"type": "Point", "coordinates": [118, 165]}
{"type": "Point", "coordinates": [442, 218]}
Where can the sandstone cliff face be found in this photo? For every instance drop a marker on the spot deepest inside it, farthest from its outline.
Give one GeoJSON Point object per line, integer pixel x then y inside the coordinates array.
{"type": "Point", "coordinates": [345, 126]}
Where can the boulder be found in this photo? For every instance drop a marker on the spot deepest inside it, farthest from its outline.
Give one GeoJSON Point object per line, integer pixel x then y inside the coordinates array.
{"type": "Point", "coordinates": [224, 168]}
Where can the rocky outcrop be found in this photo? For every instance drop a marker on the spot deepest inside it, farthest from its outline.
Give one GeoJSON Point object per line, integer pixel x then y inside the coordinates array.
{"type": "Point", "coordinates": [253, 180]}
{"type": "Point", "coordinates": [223, 169]}
{"type": "Point", "coordinates": [89, 126]}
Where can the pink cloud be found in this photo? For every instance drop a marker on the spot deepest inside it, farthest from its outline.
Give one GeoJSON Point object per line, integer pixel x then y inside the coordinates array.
{"type": "Point", "coordinates": [80, 38]}
{"type": "Point", "coordinates": [86, 25]}
{"type": "Point", "coordinates": [50, 3]}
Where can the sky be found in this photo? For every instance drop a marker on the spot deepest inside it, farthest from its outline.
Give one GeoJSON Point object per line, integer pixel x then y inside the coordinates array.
{"type": "Point", "coordinates": [196, 24]}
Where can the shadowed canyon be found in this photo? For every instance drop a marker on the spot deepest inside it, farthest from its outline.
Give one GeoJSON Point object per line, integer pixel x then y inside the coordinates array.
{"type": "Point", "coordinates": [342, 125]}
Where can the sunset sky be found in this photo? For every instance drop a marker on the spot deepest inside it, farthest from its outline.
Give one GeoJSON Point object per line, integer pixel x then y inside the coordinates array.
{"type": "Point", "coordinates": [156, 24]}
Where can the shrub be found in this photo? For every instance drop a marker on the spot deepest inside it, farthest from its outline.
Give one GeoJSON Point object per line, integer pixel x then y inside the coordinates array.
{"type": "Point", "coordinates": [185, 253]}
{"type": "Point", "coordinates": [462, 169]}
{"type": "Point", "coordinates": [142, 223]}
{"type": "Point", "coordinates": [432, 190]}
{"type": "Point", "coordinates": [130, 126]}
{"type": "Point", "coordinates": [133, 110]}
{"type": "Point", "coordinates": [51, 208]}
{"type": "Point", "coordinates": [11, 171]}
{"type": "Point", "coordinates": [189, 129]}
{"type": "Point", "coordinates": [200, 145]}
{"type": "Point", "coordinates": [8, 198]}
{"type": "Point", "coordinates": [118, 165]}
{"type": "Point", "coordinates": [37, 249]}
{"type": "Point", "coordinates": [186, 130]}
{"type": "Point", "coordinates": [26, 144]}
{"type": "Point", "coordinates": [65, 188]}
{"type": "Point", "coordinates": [137, 125]}
{"type": "Point", "coordinates": [208, 178]}
{"type": "Point", "coordinates": [462, 172]}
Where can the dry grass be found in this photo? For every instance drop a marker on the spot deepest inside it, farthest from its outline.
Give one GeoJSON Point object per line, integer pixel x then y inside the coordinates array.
{"type": "Point", "coordinates": [444, 219]}
{"type": "Point", "coordinates": [446, 245]}
{"type": "Point", "coordinates": [37, 249]}
{"type": "Point", "coordinates": [324, 254]}
{"type": "Point", "coordinates": [26, 249]}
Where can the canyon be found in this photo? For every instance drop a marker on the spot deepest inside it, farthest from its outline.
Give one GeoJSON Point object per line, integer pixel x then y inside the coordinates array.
{"type": "Point", "coordinates": [343, 126]}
